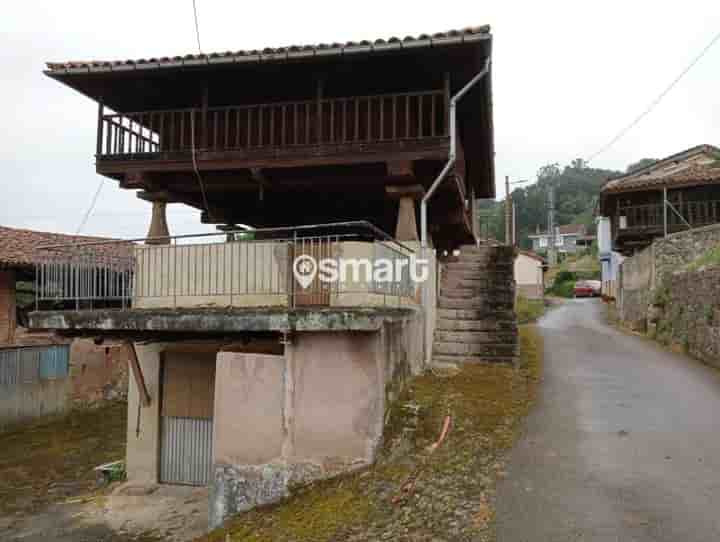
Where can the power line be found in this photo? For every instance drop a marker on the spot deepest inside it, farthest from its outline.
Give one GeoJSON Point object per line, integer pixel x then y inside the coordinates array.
{"type": "Point", "coordinates": [197, 27]}
{"type": "Point", "coordinates": [656, 101]}
{"type": "Point", "coordinates": [90, 209]}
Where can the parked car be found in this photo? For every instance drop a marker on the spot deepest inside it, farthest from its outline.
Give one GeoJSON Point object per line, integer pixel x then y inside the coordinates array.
{"type": "Point", "coordinates": [583, 289]}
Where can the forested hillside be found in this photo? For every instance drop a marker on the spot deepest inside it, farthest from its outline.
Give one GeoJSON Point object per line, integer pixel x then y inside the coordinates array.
{"type": "Point", "coordinates": [577, 188]}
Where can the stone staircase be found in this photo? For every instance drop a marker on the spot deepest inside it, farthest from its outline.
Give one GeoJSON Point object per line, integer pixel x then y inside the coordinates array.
{"type": "Point", "coordinates": [476, 320]}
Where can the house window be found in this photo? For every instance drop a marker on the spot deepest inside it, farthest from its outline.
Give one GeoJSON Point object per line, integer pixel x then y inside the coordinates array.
{"type": "Point", "coordinates": [543, 242]}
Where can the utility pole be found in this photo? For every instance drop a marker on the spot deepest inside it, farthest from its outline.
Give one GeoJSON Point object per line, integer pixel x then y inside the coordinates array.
{"type": "Point", "coordinates": [508, 213]}
{"type": "Point", "coordinates": [552, 254]}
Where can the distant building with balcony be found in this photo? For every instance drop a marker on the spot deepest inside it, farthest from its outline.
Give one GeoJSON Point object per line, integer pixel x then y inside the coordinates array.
{"type": "Point", "coordinates": [245, 377]}
{"type": "Point", "coordinates": [568, 239]}
{"type": "Point", "coordinates": [633, 203]}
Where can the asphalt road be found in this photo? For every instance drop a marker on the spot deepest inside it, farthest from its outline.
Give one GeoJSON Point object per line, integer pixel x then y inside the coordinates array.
{"type": "Point", "coordinates": [623, 443]}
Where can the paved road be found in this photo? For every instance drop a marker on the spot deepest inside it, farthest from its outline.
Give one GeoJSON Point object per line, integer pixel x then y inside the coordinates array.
{"type": "Point", "coordinates": [623, 445]}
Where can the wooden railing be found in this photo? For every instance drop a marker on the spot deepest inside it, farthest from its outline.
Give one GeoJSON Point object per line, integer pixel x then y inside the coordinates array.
{"type": "Point", "coordinates": [359, 119]}
{"type": "Point", "coordinates": [650, 216]}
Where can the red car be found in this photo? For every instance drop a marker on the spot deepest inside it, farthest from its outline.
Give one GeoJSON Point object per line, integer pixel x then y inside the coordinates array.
{"type": "Point", "coordinates": [584, 289]}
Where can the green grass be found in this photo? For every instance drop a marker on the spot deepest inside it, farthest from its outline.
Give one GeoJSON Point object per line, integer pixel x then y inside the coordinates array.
{"type": "Point", "coordinates": [709, 258]}
{"type": "Point", "coordinates": [562, 289]}
{"type": "Point", "coordinates": [529, 310]}
{"type": "Point", "coordinates": [48, 460]}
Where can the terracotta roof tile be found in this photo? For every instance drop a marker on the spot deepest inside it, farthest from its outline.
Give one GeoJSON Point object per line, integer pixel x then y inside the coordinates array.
{"type": "Point", "coordinates": [275, 53]}
{"type": "Point", "coordinates": [19, 247]}
{"type": "Point", "coordinates": [693, 175]}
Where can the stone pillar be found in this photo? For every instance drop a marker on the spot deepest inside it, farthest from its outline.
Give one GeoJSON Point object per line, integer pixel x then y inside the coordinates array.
{"type": "Point", "coordinates": [158, 233]}
{"type": "Point", "coordinates": [406, 227]}
{"type": "Point", "coordinates": [7, 307]}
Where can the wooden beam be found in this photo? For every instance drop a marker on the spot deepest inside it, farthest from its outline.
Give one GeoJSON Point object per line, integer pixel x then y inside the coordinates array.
{"type": "Point", "coordinates": [138, 375]}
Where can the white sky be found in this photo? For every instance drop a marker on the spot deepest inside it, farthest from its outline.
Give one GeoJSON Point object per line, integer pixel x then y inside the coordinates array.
{"type": "Point", "coordinates": [567, 77]}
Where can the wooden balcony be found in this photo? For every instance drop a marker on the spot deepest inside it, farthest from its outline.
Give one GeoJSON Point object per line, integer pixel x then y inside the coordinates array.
{"type": "Point", "coordinates": [649, 218]}
{"type": "Point", "coordinates": [273, 131]}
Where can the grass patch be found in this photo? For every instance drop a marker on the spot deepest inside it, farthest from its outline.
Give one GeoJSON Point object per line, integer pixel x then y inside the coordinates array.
{"type": "Point", "coordinates": [529, 310]}
{"type": "Point", "coordinates": [454, 487]}
{"type": "Point", "coordinates": [709, 258]}
{"type": "Point", "coordinates": [48, 460]}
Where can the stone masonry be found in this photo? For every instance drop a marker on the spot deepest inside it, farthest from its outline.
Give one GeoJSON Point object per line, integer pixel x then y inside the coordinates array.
{"type": "Point", "coordinates": [476, 319]}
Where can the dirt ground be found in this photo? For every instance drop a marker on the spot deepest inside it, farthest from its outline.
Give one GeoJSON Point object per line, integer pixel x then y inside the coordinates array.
{"type": "Point", "coordinates": [48, 491]}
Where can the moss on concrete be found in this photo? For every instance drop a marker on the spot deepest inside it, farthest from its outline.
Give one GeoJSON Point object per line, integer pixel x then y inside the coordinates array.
{"type": "Point", "coordinates": [451, 490]}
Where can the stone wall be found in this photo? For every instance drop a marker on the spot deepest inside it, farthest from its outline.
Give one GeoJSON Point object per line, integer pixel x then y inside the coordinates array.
{"type": "Point", "coordinates": [687, 314]}
{"type": "Point", "coordinates": [677, 306]}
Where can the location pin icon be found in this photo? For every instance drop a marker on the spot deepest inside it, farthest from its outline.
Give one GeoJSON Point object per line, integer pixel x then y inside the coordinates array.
{"type": "Point", "coordinates": [305, 268]}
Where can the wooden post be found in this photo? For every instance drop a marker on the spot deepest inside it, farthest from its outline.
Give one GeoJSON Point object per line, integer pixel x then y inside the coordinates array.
{"type": "Point", "coordinates": [203, 124]}
{"type": "Point", "coordinates": [665, 209]}
{"type": "Point", "coordinates": [508, 213]}
{"type": "Point", "coordinates": [101, 110]}
{"type": "Point", "coordinates": [138, 375]}
{"type": "Point", "coordinates": [318, 127]}
{"type": "Point", "coordinates": [446, 94]}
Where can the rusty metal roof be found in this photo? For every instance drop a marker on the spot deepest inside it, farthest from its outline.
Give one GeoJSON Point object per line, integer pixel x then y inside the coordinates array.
{"type": "Point", "coordinates": [269, 54]}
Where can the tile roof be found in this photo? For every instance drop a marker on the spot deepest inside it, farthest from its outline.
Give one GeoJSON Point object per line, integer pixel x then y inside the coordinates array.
{"type": "Point", "coordinates": [268, 54]}
{"type": "Point", "coordinates": [19, 247]}
{"type": "Point", "coordinates": [651, 175]}
{"type": "Point", "coordinates": [693, 175]}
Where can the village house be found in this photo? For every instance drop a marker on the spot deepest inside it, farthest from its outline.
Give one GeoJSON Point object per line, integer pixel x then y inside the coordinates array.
{"type": "Point", "coordinates": [250, 374]}
{"type": "Point", "coordinates": [688, 181]}
{"type": "Point", "coordinates": [529, 275]}
{"type": "Point", "coordinates": [42, 373]}
{"type": "Point", "coordinates": [569, 239]}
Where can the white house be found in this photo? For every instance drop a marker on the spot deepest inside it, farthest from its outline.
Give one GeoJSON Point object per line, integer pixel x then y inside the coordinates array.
{"type": "Point", "coordinates": [529, 270]}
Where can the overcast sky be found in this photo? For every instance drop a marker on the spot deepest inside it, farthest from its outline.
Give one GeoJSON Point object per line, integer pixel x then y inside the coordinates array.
{"type": "Point", "coordinates": [567, 77]}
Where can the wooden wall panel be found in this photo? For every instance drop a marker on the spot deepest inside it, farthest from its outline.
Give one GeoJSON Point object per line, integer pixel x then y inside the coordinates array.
{"type": "Point", "coordinates": [188, 384]}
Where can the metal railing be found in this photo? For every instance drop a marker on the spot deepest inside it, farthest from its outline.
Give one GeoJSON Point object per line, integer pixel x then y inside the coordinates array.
{"type": "Point", "coordinates": [650, 216]}
{"type": "Point", "coordinates": [249, 268]}
{"type": "Point", "coordinates": [356, 119]}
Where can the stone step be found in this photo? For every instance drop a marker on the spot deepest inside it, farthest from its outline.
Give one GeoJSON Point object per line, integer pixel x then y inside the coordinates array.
{"type": "Point", "coordinates": [485, 293]}
{"type": "Point", "coordinates": [488, 324]}
{"type": "Point", "coordinates": [477, 267]}
{"type": "Point", "coordinates": [494, 249]}
{"type": "Point", "coordinates": [476, 314]}
{"type": "Point", "coordinates": [477, 303]}
{"type": "Point", "coordinates": [477, 273]}
{"type": "Point", "coordinates": [483, 259]}
{"type": "Point", "coordinates": [476, 337]}
{"type": "Point", "coordinates": [487, 280]}
{"type": "Point", "coordinates": [469, 349]}
{"type": "Point", "coordinates": [448, 361]}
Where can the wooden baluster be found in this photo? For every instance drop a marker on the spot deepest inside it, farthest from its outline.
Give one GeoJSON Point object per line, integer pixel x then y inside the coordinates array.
{"type": "Point", "coordinates": [272, 126]}
{"type": "Point", "coordinates": [368, 134]}
{"type": "Point", "coordinates": [226, 143]}
{"type": "Point", "coordinates": [332, 121]}
{"type": "Point", "coordinates": [344, 120]}
{"type": "Point", "coordinates": [433, 121]}
{"type": "Point", "coordinates": [108, 127]}
{"type": "Point", "coordinates": [161, 131]}
{"type": "Point", "coordinates": [420, 115]}
{"type": "Point", "coordinates": [283, 112]}
{"type": "Point", "coordinates": [215, 130]}
{"type": "Point", "coordinates": [237, 128]}
{"type": "Point", "coordinates": [357, 119]}
{"type": "Point", "coordinates": [295, 123]}
{"type": "Point", "coordinates": [249, 126]}
{"type": "Point", "coordinates": [181, 144]}
{"type": "Point", "coordinates": [307, 123]}
{"type": "Point", "coordinates": [407, 116]}
{"type": "Point", "coordinates": [394, 117]}
{"type": "Point", "coordinates": [260, 126]}
{"type": "Point", "coordinates": [382, 118]}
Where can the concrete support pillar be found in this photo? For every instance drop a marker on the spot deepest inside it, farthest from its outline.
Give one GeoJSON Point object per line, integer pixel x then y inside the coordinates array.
{"type": "Point", "coordinates": [406, 226]}
{"type": "Point", "coordinates": [7, 307]}
{"type": "Point", "coordinates": [158, 233]}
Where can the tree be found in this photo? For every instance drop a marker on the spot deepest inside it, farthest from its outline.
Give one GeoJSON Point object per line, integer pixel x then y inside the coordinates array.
{"type": "Point", "coordinates": [643, 162]}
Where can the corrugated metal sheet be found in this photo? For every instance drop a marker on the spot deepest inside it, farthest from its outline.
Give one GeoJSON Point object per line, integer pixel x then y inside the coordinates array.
{"type": "Point", "coordinates": [28, 365]}
{"type": "Point", "coordinates": [186, 451]}
{"type": "Point", "coordinates": [54, 362]}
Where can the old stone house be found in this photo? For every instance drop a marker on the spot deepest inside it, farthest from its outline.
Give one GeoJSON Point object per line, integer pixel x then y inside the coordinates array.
{"type": "Point", "coordinates": [251, 370]}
